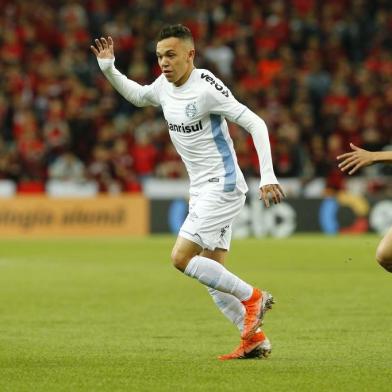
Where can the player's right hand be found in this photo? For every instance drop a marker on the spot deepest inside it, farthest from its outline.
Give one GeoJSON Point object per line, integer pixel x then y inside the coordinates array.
{"type": "Point", "coordinates": [104, 48]}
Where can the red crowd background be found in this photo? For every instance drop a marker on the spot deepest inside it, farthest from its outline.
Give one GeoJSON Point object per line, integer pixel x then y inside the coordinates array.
{"type": "Point", "coordinates": [318, 72]}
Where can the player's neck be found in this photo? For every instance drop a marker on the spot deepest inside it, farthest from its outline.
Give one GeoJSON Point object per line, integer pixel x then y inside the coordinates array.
{"type": "Point", "coordinates": [185, 77]}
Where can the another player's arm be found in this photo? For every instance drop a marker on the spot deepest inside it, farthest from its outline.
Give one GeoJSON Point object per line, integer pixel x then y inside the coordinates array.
{"type": "Point", "coordinates": [133, 92]}
{"type": "Point", "coordinates": [359, 157]}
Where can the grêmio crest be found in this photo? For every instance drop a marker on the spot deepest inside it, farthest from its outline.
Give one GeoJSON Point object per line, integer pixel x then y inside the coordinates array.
{"type": "Point", "coordinates": [191, 110]}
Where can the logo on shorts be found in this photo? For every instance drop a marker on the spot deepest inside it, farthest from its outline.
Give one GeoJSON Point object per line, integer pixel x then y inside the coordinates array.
{"type": "Point", "coordinates": [191, 110]}
{"type": "Point", "coordinates": [223, 231]}
{"type": "Point", "coordinates": [192, 216]}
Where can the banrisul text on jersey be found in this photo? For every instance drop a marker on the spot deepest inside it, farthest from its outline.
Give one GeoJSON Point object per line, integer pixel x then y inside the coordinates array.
{"type": "Point", "coordinates": [185, 128]}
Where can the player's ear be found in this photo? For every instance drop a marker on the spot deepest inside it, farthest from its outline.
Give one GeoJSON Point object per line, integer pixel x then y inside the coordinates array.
{"type": "Point", "coordinates": [191, 55]}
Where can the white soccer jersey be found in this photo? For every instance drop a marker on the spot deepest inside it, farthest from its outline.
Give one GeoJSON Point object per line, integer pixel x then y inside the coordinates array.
{"type": "Point", "coordinates": [195, 113]}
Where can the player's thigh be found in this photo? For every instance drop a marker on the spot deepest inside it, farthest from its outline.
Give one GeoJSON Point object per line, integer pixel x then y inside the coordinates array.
{"type": "Point", "coordinates": [218, 254]}
{"type": "Point", "coordinates": [384, 249]}
{"type": "Point", "coordinates": [183, 250]}
{"type": "Point", "coordinates": [210, 220]}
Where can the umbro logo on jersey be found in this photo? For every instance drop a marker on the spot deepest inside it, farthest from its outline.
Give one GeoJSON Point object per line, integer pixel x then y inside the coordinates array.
{"type": "Point", "coordinates": [185, 128]}
{"type": "Point", "coordinates": [212, 82]}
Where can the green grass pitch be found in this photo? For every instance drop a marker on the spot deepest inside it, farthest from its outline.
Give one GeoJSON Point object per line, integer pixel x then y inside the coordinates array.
{"type": "Point", "coordinates": [114, 315]}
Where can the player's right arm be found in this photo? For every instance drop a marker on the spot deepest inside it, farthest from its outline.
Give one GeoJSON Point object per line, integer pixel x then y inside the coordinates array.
{"type": "Point", "coordinates": [359, 157]}
{"type": "Point", "coordinates": [130, 90]}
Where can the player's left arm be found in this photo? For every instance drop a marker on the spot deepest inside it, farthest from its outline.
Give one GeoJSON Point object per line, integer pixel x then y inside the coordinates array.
{"type": "Point", "coordinates": [227, 106]}
{"type": "Point", "coordinates": [269, 185]}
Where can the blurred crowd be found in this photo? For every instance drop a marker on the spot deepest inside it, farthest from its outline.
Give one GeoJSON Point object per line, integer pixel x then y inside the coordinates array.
{"type": "Point", "coordinates": [318, 72]}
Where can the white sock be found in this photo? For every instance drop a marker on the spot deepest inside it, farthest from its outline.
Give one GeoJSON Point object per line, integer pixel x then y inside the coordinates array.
{"type": "Point", "coordinates": [230, 306]}
{"type": "Point", "coordinates": [212, 274]}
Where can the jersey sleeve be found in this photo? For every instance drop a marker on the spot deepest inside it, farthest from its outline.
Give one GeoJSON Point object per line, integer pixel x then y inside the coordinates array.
{"type": "Point", "coordinates": [220, 100]}
{"type": "Point", "coordinates": [257, 127]}
{"type": "Point", "coordinates": [133, 92]}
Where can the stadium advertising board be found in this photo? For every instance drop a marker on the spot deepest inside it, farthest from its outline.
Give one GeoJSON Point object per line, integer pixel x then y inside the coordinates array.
{"type": "Point", "coordinates": [98, 216]}
{"type": "Point", "coordinates": [304, 210]}
{"type": "Point", "coordinates": [343, 214]}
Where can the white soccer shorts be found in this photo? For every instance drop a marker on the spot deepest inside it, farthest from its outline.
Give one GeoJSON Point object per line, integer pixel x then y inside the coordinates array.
{"type": "Point", "coordinates": [210, 218]}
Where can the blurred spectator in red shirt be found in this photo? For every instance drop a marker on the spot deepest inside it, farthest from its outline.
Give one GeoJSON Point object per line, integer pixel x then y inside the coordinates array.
{"type": "Point", "coordinates": [122, 164]}
{"type": "Point", "coordinates": [55, 131]}
{"type": "Point", "coordinates": [145, 156]}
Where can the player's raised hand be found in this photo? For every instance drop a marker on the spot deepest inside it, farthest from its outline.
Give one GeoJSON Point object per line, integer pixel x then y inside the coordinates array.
{"type": "Point", "coordinates": [271, 190]}
{"type": "Point", "coordinates": [355, 160]}
{"type": "Point", "coordinates": [104, 48]}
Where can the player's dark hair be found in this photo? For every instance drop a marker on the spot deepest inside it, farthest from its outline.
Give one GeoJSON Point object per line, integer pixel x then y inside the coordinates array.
{"type": "Point", "coordinates": [178, 31]}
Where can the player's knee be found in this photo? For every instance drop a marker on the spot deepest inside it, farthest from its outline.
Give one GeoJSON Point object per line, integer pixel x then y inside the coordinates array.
{"type": "Point", "coordinates": [384, 259]}
{"type": "Point", "coordinates": [180, 259]}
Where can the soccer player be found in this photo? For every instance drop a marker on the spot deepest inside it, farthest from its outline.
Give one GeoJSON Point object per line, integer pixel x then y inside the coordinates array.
{"type": "Point", "coordinates": [195, 104]}
{"type": "Point", "coordinates": [353, 161]}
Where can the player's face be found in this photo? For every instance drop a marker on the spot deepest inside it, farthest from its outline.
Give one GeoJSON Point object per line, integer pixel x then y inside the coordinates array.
{"type": "Point", "coordinates": [175, 57]}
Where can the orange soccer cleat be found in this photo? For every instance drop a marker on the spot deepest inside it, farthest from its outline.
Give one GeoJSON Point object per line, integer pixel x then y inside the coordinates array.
{"type": "Point", "coordinates": [255, 308]}
{"type": "Point", "coordinates": [258, 346]}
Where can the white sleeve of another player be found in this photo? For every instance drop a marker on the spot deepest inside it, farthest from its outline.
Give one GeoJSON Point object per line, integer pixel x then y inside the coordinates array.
{"type": "Point", "coordinates": [133, 92]}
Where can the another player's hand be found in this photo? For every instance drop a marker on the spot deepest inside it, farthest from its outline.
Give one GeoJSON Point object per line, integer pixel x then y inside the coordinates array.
{"type": "Point", "coordinates": [355, 160]}
{"type": "Point", "coordinates": [271, 190]}
{"type": "Point", "coordinates": [104, 48]}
